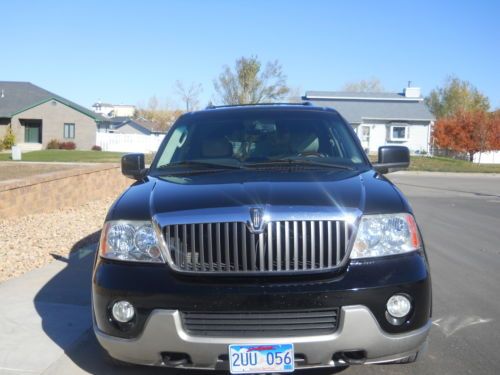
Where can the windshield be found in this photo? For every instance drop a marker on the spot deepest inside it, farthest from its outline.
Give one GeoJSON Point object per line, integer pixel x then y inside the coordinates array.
{"type": "Point", "coordinates": [260, 138]}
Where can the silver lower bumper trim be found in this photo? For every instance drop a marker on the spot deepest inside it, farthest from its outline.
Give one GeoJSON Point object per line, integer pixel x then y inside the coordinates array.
{"type": "Point", "coordinates": [358, 330]}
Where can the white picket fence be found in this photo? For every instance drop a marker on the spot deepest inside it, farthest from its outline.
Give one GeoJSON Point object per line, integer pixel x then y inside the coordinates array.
{"type": "Point", "coordinates": [490, 157]}
{"type": "Point", "coordinates": [129, 142]}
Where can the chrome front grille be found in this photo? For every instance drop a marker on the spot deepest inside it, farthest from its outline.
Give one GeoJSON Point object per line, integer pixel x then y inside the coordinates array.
{"type": "Point", "coordinates": [261, 324]}
{"type": "Point", "coordinates": [282, 246]}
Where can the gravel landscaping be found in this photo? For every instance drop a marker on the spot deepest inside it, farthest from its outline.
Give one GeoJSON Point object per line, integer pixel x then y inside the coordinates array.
{"type": "Point", "coordinates": [32, 241]}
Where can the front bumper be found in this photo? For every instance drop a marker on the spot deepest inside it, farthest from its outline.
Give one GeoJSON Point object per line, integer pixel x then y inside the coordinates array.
{"type": "Point", "coordinates": [358, 330]}
{"type": "Point", "coordinates": [361, 292]}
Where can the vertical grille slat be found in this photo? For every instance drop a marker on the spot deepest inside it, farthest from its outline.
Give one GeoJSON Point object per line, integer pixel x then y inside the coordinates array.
{"type": "Point", "coordinates": [184, 245]}
{"type": "Point", "coordinates": [329, 236]}
{"type": "Point", "coordinates": [278, 246]}
{"type": "Point", "coordinates": [210, 252]}
{"type": "Point", "coordinates": [261, 252]}
{"type": "Point", "coordinates": [337, 237]}
{"type": "Point", "coordinates": [192, 246]}
{"type": "Point", "coordinates": [313, 245]}
{"type": "Point", "coordinates": [177, 241]}
{"type": "Point", "coordinates": [304, 245]}
{"type": "Point", "coordinates": [346, 238]}
{"type": "Point", "coordinates": [202, 247]}
{"type": "Point", "coordinates": [287, 246]}
{"type": "Point", "coordinates": [244, 246]}
{"type": "Point", "coordinates": [295, 246]}
{"type": "Point", "coordinates": [282, 246]}
{"type": "Point", "coordinates": [227, 261]}
{"type": "Point", "coordinates": [168, 237]}
{"type": "Point", "coordinates": [235, 247]}
{"type": "Point", "coordinates": [321, 244]}
{"type": "Point", "coordinates": [218, 247]}
{"type": "Point", "coordinates": [253, 257]}
{"type": "Point", "coordinates": [270, 246]}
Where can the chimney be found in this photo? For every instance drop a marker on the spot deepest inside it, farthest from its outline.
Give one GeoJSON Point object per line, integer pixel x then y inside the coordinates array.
{"type": "Point", "coordinates": [411, 92]}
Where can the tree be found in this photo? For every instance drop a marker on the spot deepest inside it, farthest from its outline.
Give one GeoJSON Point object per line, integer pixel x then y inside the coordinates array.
{"type": "Point", "coordinates": [468, 131]}
{"type": "Point", "coordinates": [248, 83]}
{"type": "Point", "coordinates": [495, 124]}
{"type": "Point", "coordinates": [153, 103]}
{"type": "Point", "coordinates": [163, 115]}
{"type": "Point", "coordinates": [455, 96]}
{"type": "Point", "coordinates": [370, 85]}
{"type": "Point", "coordinates": [295, 95]}
{"type": "Point", "coordinates": [189, 95]}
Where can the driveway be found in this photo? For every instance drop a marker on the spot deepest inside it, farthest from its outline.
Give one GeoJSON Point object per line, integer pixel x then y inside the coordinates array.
{"type": "Point", "coordinates": [460, 220]}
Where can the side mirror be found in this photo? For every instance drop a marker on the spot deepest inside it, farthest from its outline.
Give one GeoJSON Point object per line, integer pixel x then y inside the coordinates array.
{"type": "Point", "coordinates": [392, 157]}
{"type": "Point", "coordinates": [133, 166]}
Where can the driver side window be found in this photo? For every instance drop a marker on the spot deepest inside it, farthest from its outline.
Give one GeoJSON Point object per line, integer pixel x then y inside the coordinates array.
{"type": "Point", "coordinates": [175, 143]}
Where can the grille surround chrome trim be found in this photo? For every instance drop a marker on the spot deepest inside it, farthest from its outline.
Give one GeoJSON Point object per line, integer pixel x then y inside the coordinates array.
{"type": "Point", "coordinates": [272, 214]}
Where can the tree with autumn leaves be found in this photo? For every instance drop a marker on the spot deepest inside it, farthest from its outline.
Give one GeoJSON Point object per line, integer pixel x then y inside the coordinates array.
{"type": "Point", "coordinates": [469, 131]}
{"type": "Point", "coordinates": [463, 121]}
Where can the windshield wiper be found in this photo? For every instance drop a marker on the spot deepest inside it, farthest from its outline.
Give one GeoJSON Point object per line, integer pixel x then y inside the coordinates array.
{"type": "Point", "coordinates": [300, 161]}
{"type": "Point", "coordinates": [200, 163]}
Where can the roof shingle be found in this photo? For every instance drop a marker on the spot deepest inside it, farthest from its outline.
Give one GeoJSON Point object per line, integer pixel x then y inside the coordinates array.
{"type": "Point", "coordinates": [356, 106]}
{"type": "Point", "coordinates": [16, 97]}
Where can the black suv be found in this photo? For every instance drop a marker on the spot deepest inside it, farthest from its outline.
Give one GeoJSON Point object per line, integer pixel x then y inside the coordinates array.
{"type": "Point", "coordinates": [262, 239]}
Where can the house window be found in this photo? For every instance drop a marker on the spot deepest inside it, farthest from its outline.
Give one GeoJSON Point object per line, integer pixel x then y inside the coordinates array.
{"type": "Point", "coordinates": [69, 131]}
{"type": "Point", "coordinates": [399, 133]}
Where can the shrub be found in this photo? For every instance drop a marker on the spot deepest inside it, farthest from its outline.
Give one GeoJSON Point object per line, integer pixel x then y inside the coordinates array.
{"type": "Point", "coordinates": [9, 140]}
{"type": "Point", "coordinates": [1, 145]}
{"type": "Point", "coordinates": [54, 144]}
{"type": "Point", "coordinates": [67, 145]}
{"type": "Point", "coordinates": [96, 148]}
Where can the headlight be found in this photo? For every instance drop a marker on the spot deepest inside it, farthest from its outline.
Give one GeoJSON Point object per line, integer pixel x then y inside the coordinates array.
{"type": "Point", "coordinates": [133, 241]}
{"type": "Point", "coordinates": [380, 235]}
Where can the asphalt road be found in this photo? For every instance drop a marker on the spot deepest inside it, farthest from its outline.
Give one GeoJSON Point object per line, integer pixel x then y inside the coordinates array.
{"type": "Point", "coordinates": [460, 220]}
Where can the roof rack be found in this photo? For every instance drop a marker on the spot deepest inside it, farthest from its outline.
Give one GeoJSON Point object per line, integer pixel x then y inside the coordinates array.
{"type": "Point", "coordinates": [304, 103]}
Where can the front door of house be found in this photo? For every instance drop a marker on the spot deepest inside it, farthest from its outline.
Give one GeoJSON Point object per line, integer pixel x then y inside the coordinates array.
{"type": "Point", "coordinates": [32, 131]}
{"type": "Point", "coordinates": [364, 137]}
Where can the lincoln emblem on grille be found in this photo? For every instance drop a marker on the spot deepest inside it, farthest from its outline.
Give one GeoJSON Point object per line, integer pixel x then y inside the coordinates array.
{"type": "Point", "coordinates": [256, 220]}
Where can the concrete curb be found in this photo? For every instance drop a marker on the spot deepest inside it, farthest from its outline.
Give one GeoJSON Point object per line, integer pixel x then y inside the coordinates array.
{"type": "Point", "coordinates": [445, 174]}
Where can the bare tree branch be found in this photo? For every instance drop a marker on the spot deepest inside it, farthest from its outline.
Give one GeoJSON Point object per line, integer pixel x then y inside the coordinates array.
{"type": "Point", "coordinates": [189, 94]}
{"type": "Point", "coordinates": [248, 84]}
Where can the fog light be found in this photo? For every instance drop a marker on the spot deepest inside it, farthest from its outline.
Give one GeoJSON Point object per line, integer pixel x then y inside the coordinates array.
{"type": "Point", "coordinates": [398, 306]}
{"type": "Point", "coordinates": [123, 311]}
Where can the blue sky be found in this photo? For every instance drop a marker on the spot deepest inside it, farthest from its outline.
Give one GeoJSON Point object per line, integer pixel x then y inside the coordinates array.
{"type": "Point", "coordinates": [127, 51]}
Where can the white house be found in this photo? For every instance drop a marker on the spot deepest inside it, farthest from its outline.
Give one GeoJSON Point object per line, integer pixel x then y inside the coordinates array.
{"type": "Point", "coordinates": [383, 118]}
{"type": "Point", "coordinates": [114, 110]}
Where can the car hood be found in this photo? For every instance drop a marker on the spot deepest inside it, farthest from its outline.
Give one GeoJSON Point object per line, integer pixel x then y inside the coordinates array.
{"type": "Point", "coordinates": [366, 192]}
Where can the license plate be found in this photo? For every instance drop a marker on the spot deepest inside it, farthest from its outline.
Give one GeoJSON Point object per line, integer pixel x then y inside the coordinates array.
{"type": "Point", "coordinates": [261, 358]}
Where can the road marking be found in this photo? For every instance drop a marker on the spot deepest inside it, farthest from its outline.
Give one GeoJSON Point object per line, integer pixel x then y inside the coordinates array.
{"type": "Point", "coordinates": [18, 370]}
{"type": "Point", "coordinates": [452, 324]}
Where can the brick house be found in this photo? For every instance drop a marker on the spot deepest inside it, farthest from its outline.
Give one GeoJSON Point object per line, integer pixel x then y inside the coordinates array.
{"type": "Point", "coordinates": [37, 116]}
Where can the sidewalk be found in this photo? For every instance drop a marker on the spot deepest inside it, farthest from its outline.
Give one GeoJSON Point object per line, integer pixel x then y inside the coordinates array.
{"type": "Point", "coordinates": [44, 312]}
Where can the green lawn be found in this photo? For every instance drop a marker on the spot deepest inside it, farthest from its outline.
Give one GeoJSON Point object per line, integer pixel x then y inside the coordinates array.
{"type": "Point", "coordinates": [440, 164]}
{"type": "Point", "coordinates": [68, 156]}
{"type": "Point", "coordinates": [418, 163]}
